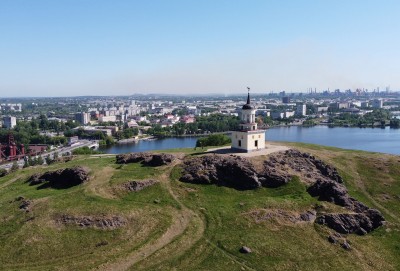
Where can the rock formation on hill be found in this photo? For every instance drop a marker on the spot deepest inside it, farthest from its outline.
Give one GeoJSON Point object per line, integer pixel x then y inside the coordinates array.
{"type": "Point", "coordinates": [104, 223]}
{"type": "Point", "coordinates": [240, 173]}
{"type": "Point", "coordinates": [359, 223]}
{"type": "Point", "coordinates": [278, 169]}
{"type": "Point", "coordinates": [231, 171]}
{"type": "Point", "coordinates": [134, 186]}
{"type": "Point", "coordinates": [336, 193]}
{"type": "Point", "coordinates": [62, 178]}
{"type": "Point", "coordinates": [306, 166]}
{"type": "Point", "coordinates": [146, 158]}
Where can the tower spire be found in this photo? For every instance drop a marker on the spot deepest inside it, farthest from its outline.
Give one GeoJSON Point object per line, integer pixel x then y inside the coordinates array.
{"type": "Point", "coordinates": [248, 95]}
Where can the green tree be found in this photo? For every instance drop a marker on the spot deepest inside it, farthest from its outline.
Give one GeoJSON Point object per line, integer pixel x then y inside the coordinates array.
{"type": "Point", "coordinates": [85, 150]}
{"type": "Point", "coordinates": [213, 140]}
{"type": "Point", "coordinates": [394, 123]}
{"type": "Point", "coordinates": [14, 166]}
{"type": "Point", "coordinates": [26, 164]}
{"type": "Point", "coordinates": [43, 122]}
{"type": "Point", "coordinates": [48, 160]}
{"type": "Point", "coordinates": [40, 160]}
{"type": "Point", "coordinates": [31, 162]}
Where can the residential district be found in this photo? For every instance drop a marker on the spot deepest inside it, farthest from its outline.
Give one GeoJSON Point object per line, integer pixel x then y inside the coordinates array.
{"type": "Point", "coordinates": [33, 128]}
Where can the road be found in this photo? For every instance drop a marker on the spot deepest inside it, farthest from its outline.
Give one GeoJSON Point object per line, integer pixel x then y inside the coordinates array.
{"type": "Point", "coordinates": [60, 151]}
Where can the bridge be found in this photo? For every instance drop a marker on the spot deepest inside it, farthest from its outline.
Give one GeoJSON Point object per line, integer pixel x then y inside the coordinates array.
{"type": "Point", "coordinates": [94, 145]}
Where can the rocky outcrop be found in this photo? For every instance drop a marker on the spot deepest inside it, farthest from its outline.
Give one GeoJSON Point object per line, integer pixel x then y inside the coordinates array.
{"type": "Point", "coordinates": [272, 179]}
{"type": "Point", "coordinates": [308, 216]}
{"type": "Point", "coordinates": [131, 157]}
{"type": "Point", "coordinates": [282, 216]}
{"type": "Point", "coordinates": [231, 171]}
{"type": "Point", "coordinates": [146, 158]}
{"type": "Point", "coordinates": [62, 178]}
{"type": "Point", "coordinates": [134, 186]}
{"type": "Point", "coordinates": [345, 245]}
{"type": "Point", "coordinates": [26, 205]}
{"type": "Point", "coordinates": [332, 239]}
{"type": "Point", "coordinates": [245, 250]}
{"type": "Point", "coordinates": [359, 223]}
{"type": "Point", "coordinates": [36, 179]}
{"type": "Point", "coordinates": [280, 167]}
{"type": "Point", "coordinates": [277, 170]}
{"type": "Point", "coordinates": [336, 193]}
{"type": "Point", "coordinates": [104, 223]}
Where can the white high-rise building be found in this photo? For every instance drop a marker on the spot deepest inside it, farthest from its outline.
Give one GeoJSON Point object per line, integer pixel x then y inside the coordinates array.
{"type": "Point", "coordinates": [301, 110]}
{"type": "Point", "coordinates": [377, 103]}
{"type": "Point", "coordinates": [9, 122]}
{"type": "Point", "coordinates": [83, 118]}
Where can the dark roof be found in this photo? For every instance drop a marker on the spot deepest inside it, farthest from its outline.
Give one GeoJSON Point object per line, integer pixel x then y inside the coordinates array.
{"type": "Point", "coordinates": [247, 105]}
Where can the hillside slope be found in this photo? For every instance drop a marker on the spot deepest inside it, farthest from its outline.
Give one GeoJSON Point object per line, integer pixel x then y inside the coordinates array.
{"type": "Point", "coordinates": [161, 223]}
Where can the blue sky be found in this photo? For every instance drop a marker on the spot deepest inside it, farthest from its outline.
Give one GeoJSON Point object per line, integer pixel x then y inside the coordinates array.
{"type": "Point", "coordinates": [94, 47]}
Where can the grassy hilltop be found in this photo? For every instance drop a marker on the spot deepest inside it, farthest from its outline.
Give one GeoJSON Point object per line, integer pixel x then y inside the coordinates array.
{"type": "Point", "coordinates": [180, 226]}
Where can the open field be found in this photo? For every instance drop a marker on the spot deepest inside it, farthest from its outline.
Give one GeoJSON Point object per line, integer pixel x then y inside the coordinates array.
{"type": "Point", "coordinates": [180, 226]}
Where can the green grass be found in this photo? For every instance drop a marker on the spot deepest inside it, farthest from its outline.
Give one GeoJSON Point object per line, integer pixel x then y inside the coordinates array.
{"type": "Point", "coordinates": [40, 243]}
{"type": "Point", "coordinates": [221, 220]}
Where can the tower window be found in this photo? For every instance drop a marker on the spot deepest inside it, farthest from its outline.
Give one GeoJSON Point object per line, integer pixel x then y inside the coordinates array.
{"type": "Point", "coordinates": [256, 143]}
{"type": "Point", "coordinates": [240, 143]}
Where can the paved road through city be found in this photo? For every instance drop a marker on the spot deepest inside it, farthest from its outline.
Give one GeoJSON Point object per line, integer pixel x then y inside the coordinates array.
{"type": "Point", "coordinates": [60, 151]}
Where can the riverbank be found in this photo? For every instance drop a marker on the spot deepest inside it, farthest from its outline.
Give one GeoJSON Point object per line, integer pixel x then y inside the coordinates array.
{"type": "Point", "coordinates": [385, 140]}
{"type": "Point", "coordinates": [193, 135]}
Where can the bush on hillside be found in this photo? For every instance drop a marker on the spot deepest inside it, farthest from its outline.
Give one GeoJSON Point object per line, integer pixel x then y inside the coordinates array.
{"type": "Point", "coordinates": [85, 150]}
{"type": "Point", "coordinates": [213, 140]}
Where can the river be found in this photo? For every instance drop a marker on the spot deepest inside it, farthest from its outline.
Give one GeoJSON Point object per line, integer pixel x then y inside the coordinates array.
{"type": "Point", "coordinates": [369, 139]}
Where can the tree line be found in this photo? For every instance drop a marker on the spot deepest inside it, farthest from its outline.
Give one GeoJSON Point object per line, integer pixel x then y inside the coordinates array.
{"type": "Point", "coordinates": [204, 124]}
{"type": "Point", "coordinates": [378, 117]}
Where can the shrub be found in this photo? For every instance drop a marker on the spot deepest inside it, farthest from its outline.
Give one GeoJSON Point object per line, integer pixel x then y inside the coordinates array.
{"type": "Point", "coordinates": [213, 140]}
{"type": "Point", "coordinates": [85, 150]}
{"type": "Point", "coordinates": [14, 167]}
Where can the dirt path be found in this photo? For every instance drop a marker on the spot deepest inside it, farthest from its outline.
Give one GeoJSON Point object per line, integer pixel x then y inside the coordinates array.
{"type": "Point", "coordinates": [231, 257]}
{"type": "Point", "coordinates": [99, 185]}
{"type": "Point", "coordinates": [180, 221]}
{"type": "Point", "coordinates": [9, 182]}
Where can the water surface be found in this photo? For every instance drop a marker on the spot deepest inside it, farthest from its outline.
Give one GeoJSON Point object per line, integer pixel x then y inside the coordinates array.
{"type": "Point", "coordinates": [369, 139]}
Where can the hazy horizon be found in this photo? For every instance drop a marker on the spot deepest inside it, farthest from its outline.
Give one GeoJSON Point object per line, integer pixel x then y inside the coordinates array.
{"type": "Point", "coordinates": [99, 48]}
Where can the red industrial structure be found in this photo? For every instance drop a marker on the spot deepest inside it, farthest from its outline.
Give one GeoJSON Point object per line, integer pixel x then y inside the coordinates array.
{"type": "Point", "coordinates": [10, 150]}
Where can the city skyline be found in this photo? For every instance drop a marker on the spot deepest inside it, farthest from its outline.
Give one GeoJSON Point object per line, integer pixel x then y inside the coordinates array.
{"type": "Point", "coordinates": [76, 48]}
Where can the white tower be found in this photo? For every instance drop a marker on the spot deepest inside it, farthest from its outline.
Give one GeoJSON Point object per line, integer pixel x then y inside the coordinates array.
{"type": "Point", "coordinates": [248, 137]}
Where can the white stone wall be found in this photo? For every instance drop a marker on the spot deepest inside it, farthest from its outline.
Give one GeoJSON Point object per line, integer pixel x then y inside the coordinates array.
{"type": "Point", "coordinates": [248, 140]}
